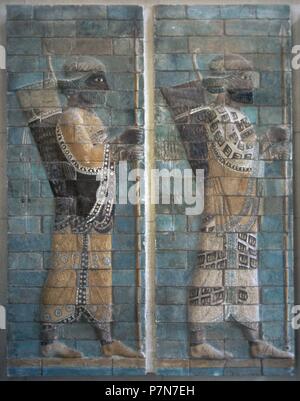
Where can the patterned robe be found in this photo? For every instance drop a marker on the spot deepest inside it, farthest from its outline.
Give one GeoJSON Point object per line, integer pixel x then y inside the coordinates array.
{"type": "Point", "coordinates": [82, 178]}
{"type": "Point", "coordinates": [225, 282]}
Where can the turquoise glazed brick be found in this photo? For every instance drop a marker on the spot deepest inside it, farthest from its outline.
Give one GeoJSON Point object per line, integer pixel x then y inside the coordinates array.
{"type": "Point", "coordinates": [23, 313]}
{"type": "Point", "coordinates": [170, 12]}
{"type": "Point", "coordinates": [189, 28]}
{"type": "Point", "coordinates": [79, 331]}
{"type": "Point", "coordinates": [273, 295]}
{"type": "Point", "coordinates": [167, 277]}
{"type": "Point", "coordinates": [207, 372]}
{"type": "Point", "coordinates": [272, 313]}
{"type": "Point", "coordinates": [174, 260]}
{"type": "Point", "coordinates": [125, 29]}
{"type": "Point", "coordinates": [239, 348]}
{"type": "Point", "coordinates": [273, 331]}
{"type": "Point", "coordinates": [19, 12]}
{"type": "Point", "coordinates": [272, 223]}
{"type": "Point", "coordinates": [265, 97]}
{"type": "Point", "coordinates": [269, 259]}
{"type": "Point", "coordinates": [270, 115]}
{"type": "Point", "coordinates": [172, 331]}
{"type": "Point", "coordinates": [92, 28]}
{"type": "Point", "coordinates": [41, 206]}
{"type": "Point", "coordinates": [69, 12]}
{"type": "Point", "coordinates": [41, 28]}
{"type": "Point", "coordinates": [16, 135]}
{"type": "Point", "coordinates": [273, 205]}
{"type": "Point", "coordinates": [180, 223]}
{"type": "Point", "coordinates": [171, 313]}
{"type": "Point", "coordinates": [76, 372]}
{"type": "Point", "coordinates": [174, 62]}
{"type": "Point", "coordinates": [272, 79]}
{"type": "Point", "coordinates": [24, 331]}
{"type": "Point", "coordinates": [124, 225]}
{"type": "Point", "coordinates": [249, 372]}
{"type": "Point", "coordinates": [252, 113]}
{"type": "Point", "coordinates": [25, 243]}
{"type": "Point", "coordinates": [24, 46]}
{"type": "Point", "coordinates": [16, 118]}
{"type": "Point", "coordinates": [124, 295]}
{"type": "Point", "coordinates": [124, 278]}
{"type": "Point", "coordinates": [239, 12]}
{"type": "Point", "coordinates": [203, 12]}
{"type": "Point", "coordinates": [124, 312]}
{"type": "Point", "coordinates": [47, 224]}
{"type": "Point", "coordinates": [17, 207]}
{"type": "Point", "coordinates": [124, 331]}
{"type": "Point", "coordinates": [171, 45]}
{"type": "Point", "coordinates": [123, 46]}
{"type": "Point", "coordinates": [276, 372]}
{"type": "Point", "coordinates": [270, 12]}
{"type": "Point", "coordinates": [127, 372]}
{"type": "Point", "coordinates": [172, 241]}
{"type": "Point", "coordinates": [165, 79]}
{"type": "Point", "coordinates": [30, 261]}
{"type": "Point", "coordinates": [123, 242]}
{"type": "Point", "coordinates": [164, 223]}
{"type": "Point", "coordinates": [122, 118]}
{"type": "Point", "coordinates": [172, 350]}
{"type": "Point", "coordinates": [170, 295]}
{"type": "Point", "coordinates": [274, 187]}
{"type": "Point", "coordinates": [89, 348]}
{"type": "Point", "coordinates": [15, 28]}
{"type": "Point", "coordinates": [121, 260]}
{"type": "Point", "coordinates": [256, 27]}
{"type": "Point", "coordinates": [125, 210]}
{"type": "Point", "coordinates": [23, 153]}
{"type": "Point", "coordinates": [23, 225]}
{"type": "Point", "coordinates": [125, 12]}
{"type": "Point", "coordinates": [173, 372]}
{"type": "Point", "coordinates": [24, 372]}
{"type": "Point", "coordinates": [270, 241]}
{"type": "Point", "coordinates": [21, 349]}
{"type": "Point", "coordinates": [20, 278]}
{"type": "Point", "coordinates": [272, 277]}
{"type": "Point", "coordinates": [121, 100]}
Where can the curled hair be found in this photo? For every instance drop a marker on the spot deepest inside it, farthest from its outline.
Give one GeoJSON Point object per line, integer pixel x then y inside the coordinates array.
{"type": "Point", "coordinates": [83, 64]}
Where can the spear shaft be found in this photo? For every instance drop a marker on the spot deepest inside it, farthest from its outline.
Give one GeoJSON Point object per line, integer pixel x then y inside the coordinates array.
{"type": "Point", "coordinates": [286, 198]}
{"type": "Point", "coordinates": [138, 239]}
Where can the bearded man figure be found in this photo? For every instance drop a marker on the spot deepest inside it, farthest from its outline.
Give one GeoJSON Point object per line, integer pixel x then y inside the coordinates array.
{"type": "Point", "coordinates": [225, 284]}
{"type": "Point", "coordinates": [80, 162]}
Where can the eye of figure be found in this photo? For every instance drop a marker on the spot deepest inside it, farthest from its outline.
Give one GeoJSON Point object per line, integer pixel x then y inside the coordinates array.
{"type": "Point", "coordinates": [97, 80]}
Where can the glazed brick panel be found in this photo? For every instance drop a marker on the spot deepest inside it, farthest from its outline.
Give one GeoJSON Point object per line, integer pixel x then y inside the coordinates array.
{"type": "Point", "coordinates": [107, 33]}
{"type": "Point", "coordinates": [260, 34]}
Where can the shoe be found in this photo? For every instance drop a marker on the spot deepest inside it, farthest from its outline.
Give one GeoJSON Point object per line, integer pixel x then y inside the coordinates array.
{"type": "Point", "coordinates": [208, 352]}
{"type": "Point", "coordinates": [116, 348]}
{"type": "Point", "coordinates": [264, 350]}
{"type": "Point", "coordinates": [59, 350]}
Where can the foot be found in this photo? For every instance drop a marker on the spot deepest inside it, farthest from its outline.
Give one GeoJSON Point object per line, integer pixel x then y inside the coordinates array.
{"type": "Point", "coordinates": [264, 350]}
{"type": "Point", "coordinates": [59, 350]}
{"type": "Point", "coordinates": [206, 351]}
{"type": "Point", "coordinates": [116, 348]}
